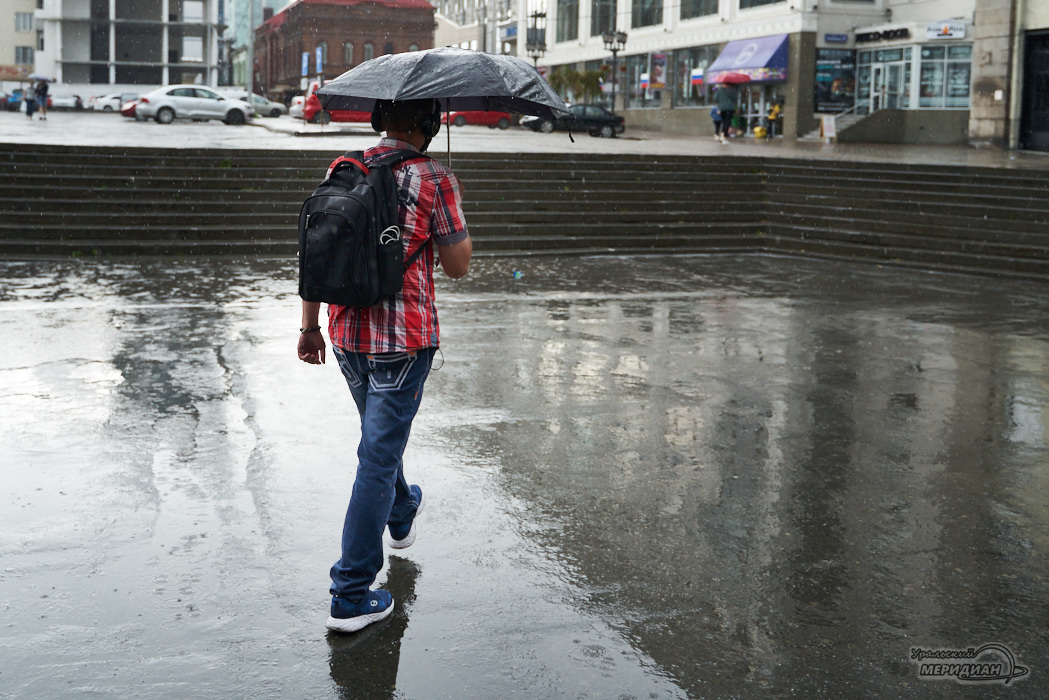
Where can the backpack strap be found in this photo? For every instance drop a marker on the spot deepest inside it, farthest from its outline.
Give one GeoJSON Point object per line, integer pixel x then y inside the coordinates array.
{"type": "Point", "coordinates": [395, 158]}
{"type": "Point", "coordinates": [352, 158]}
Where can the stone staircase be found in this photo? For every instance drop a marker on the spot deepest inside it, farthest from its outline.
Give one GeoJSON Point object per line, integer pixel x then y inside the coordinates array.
{"type": "Point", "coordinates": [62, 202]}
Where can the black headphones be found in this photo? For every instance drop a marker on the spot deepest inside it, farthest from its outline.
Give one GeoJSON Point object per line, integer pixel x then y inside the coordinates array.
{"type": "Point", "coordinates": [430, 124]}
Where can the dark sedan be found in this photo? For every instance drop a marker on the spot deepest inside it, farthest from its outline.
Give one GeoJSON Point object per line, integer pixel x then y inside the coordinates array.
{"type": "Point", "coordinates": [594, 120]}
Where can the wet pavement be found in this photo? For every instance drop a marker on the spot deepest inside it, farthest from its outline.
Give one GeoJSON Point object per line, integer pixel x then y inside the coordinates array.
{"type": "Point", "coordinates": [285, 133]}
{"type": "Point", "coordinates": [697, 477]}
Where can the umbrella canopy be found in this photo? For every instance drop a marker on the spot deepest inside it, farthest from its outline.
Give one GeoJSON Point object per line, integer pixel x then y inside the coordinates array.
{"type": "Point", "coordinates": [732, 78]}
{"type": "Point", "coordinates": [39, 76]}
{"type": "Point", "coordinates": [461, 79]}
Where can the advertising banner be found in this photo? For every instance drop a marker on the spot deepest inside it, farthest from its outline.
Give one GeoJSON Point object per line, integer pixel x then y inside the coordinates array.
{"type": "Point", "coordinates": [658, 72]}
{"type": "Point", "coordinates": [835, 89]}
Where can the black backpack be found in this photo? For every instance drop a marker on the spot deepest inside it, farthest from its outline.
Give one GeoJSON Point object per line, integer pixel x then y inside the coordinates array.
{"type": "Point", "coordinates": [351, 250]}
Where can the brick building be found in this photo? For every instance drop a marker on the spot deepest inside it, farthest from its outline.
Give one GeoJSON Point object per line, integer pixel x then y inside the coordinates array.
{"type": "Point", "coordinates": [347, 32]}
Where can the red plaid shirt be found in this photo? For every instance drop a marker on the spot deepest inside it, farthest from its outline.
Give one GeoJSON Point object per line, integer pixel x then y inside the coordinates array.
{"type": "Point", "coordinates": [431, 210]}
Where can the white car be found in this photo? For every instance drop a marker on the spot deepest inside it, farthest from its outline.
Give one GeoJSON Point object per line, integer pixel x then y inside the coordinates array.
{"type": "Point", "coordinates": [106, 103]}
{"type": "Point", "coordinates": [167, 104]}
{"type": "Point", "coordinates": [297, 104]}
{"type": "Point", "coordinates": [263, 106]}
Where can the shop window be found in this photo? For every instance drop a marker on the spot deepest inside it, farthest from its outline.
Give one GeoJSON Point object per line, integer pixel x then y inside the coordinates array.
{"type": "Point", "coordinates": [347, 53]}
{"type": "Point", "coordinates": [567, 20]}
{"type": "Point", "coordinates": [602, 17]}
{"type": "Point", "coordinates": [636, 86]}
{"type": "Point", "coordinates": [946, 76]}
{"type": "Point", "coordinates": [690, 88]}
{"type": "Point", "coordinates": [646, 13]}
{"type": "Point", "coordinates": [698, 8]}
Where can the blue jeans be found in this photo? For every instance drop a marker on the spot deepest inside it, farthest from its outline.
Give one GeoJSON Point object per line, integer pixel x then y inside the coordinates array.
{"type": "Point", "coordinates": [387, 389]}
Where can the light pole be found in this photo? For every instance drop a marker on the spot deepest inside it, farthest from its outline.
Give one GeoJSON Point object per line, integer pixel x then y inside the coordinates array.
{"type": "Point", "coordinates": [614, 42]}
{"type": "Point", "coordinates": [535, 44]}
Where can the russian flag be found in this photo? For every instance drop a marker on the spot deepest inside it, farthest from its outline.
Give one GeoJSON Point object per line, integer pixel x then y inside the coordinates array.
{"type": "Point", "coordinates": [697, 77]}
{"type": "Point", "coordinates": [644, 81]}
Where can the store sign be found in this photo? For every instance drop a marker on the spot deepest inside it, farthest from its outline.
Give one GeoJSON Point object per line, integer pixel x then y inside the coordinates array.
{"type": "Point", "coordinates": [835, 88]}
{"type": "Point", "coordinates": [510, 32]}
{"type": "Point", "coordinates": [305, 63]}
{"type": "Point", "coordinates": [836, 38]}
{"type": "Point", "coordinates": [945, 29]}
{"type": "Point", "coordinates": [886, 35]}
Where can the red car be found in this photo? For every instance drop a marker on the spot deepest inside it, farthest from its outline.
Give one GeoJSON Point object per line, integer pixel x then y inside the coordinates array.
{"type": "Point", "coordinates": [492, 120]}
{"type": "Point", "coordinates": [128, 109]}
{"type": "Point", "coordinates": [313, 113]}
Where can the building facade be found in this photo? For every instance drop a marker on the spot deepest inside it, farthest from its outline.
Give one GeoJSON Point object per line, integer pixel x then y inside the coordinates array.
{"type": "Point", "coordinates": [898, 71]}
{"type": "Point", "coordinates": [342, 32]}
{"type": "Point", "coordinates": [18, 39]}
{"type": "Point", "coordinates": [129, 42]}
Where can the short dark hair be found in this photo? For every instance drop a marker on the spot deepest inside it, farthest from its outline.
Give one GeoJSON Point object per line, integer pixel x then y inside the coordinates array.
{"type": "Point", "coordinates": [404, 115]}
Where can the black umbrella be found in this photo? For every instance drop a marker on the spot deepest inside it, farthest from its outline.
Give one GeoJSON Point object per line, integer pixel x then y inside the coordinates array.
{"type": "Point", "coordinates": [465, 80]}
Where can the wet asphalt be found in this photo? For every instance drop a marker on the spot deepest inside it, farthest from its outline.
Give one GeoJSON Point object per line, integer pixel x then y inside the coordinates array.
{"type": "Point", "coordinates": [688, 477]}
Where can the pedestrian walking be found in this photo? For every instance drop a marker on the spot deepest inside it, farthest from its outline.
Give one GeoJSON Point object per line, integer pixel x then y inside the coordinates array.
{"type": "Point", "coordinates": [384, 353]}
{"type": "Point", "coordinates": [715, 115]}
{"type": "Point", "coordinates": [727, 97]}
{"type": "Point", "coordinates": [41, 98]}
{"type": "Point", "coordinates": [29, 96]}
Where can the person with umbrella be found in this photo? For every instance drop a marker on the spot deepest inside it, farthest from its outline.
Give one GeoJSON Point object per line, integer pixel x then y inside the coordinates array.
{"type": "Point", "coordinates": [41, 98]}
{"type": "Point", "coordinates": [384, 352]}
{"type": "Point", "coordinates": [727, 97]}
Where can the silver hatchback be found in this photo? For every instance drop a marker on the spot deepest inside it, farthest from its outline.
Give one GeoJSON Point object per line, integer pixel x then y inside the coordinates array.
{"type": "Point", "coordinates": [167, 104]}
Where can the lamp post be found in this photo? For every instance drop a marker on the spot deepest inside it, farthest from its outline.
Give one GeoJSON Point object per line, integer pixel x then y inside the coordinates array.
{"type": "Point", "coordinates": [614, 42]}
{"type": "Point", "coordinates": [535, 44]}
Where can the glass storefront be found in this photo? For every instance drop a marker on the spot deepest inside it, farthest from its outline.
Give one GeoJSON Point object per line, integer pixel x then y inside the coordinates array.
{"type": "Point", "coordinates": [940, 76]}
{"type": "Point", "coordinates": [689, 85]}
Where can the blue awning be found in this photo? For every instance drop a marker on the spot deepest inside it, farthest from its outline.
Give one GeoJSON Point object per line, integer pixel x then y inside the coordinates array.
{"type": "Point", "coordinates": [762, 59]}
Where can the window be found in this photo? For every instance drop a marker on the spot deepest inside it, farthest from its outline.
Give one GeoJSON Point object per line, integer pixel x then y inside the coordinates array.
{"type": "Point", "coordinates": [635, 86]}
{"type": "Point", "coordinates": [744, 4]}
{"type": "Point", "coordinates": [347, 53]}
{"type": "Point", "coordinates": [192, 11]}
{"type": "Point", "coordinates": [323, 46]}
{"type": "Point", "coordinates": [23, 54]}
{"type": "Point", "coordinates": [689, 76]}
{"type": "Point", "coordinates": [567, 20]}
{"type": "Point", "coordinates": [698, 8]}
{"type": "Point", "coordinates": [192, 49]}
{"type": "Point", "coordinates": [369, 51]}
{"type": "Point", "coordinates": [23, 21]}
{"type": "Point", "coordinates": [413, 47]}
{"type": "Point", "coordinates": [945, 76]}
{"type": "Point", "coordinates": [646, 13]}
{"type": "Point", "coordinates": [39, 39]}
{"type": "Point", "coordinates": [387, 48]}
{"type": "Point", "coordinates": [602, 16]}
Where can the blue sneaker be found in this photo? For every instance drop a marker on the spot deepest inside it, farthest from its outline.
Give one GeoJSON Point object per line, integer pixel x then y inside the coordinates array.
{"type": "Point", "coordinates": [403, 536]}
{"type": "Point", "coordinates": [350, 617]}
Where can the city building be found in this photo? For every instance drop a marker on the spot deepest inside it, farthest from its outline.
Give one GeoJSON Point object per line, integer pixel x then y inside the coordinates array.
{"type": "Point", "coordinates": [341, 33]}
{"type": "Point", "coordinates": [18, 39]}
{"type": "Point", "coordinates": [895, 71]}
{"type": "Point", "coordinates": [128, 43]}
{"type": "Point", "coordinates": [479, 25]}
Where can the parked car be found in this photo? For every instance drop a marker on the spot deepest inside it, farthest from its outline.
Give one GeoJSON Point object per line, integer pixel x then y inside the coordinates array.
{"type": "Point", "coordinates": [297, 103]}
{"type": "Point", "coordinates": [594, 120]}
{"type": "Point", "coordinates": [191, 102]}
{"type": "Point", "coordinates": [263, 106]}
{"type": "Point", "coordinates": [14, 100]}
{"type": "Point", "coordinates": [313, 113]}
{"type": "Point", "coordinates": [128, 109]}
{"type": "Point", "coordinates": [66, 101]}
{"type": "Point", "coordinates": [492, 120]}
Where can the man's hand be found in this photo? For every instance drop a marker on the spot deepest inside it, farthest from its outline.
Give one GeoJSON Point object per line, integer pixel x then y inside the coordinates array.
{"type": "Point", "coordinates": [312, 347]}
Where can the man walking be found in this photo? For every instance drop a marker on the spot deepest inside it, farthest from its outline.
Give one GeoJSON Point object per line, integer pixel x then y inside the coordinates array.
{"type": "Point", "coordinates": [384, 353]}
{"type": "Point", "coordinates": [727, 98]}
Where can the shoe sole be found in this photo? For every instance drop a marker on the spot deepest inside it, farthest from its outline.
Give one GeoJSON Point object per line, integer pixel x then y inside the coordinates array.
{"type": "Point", "coordinates": [354, 624]}
{"type": "Point", "coordinates": [410, 539]}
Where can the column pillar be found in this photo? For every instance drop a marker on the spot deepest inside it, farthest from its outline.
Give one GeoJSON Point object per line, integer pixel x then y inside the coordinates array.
{"type": "Point", "coordinates": [165, 75]}
{"type": "Point", "coordinates": [112, 42]}
{"type": "Point", "coordinates": [992, 60]}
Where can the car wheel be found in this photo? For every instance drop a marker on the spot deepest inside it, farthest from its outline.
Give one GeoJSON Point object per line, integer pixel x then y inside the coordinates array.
{"type": "Point", "coordinates": [235, 117]}
{"type": "Point", "coordinates": [503, 123]}
{"type": "Point", "coordinates": [275, 113]}
{"type": "Point", "coordinates": [459, 121]}
{"type": "Point", "coordinates": [546, 126]}
{"type": "Point", "coordinates": [107, 108]}
{"type": "Point", "coordinates": [165, 115]}
{"type": "Point", "coordinates": [607, 131]}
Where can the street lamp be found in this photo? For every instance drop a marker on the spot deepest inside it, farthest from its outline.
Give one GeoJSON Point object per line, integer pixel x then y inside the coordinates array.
{"type": "Point", "coordinates": [614, 42]}
{"type": "Point", "coordinates": [536, 40]}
